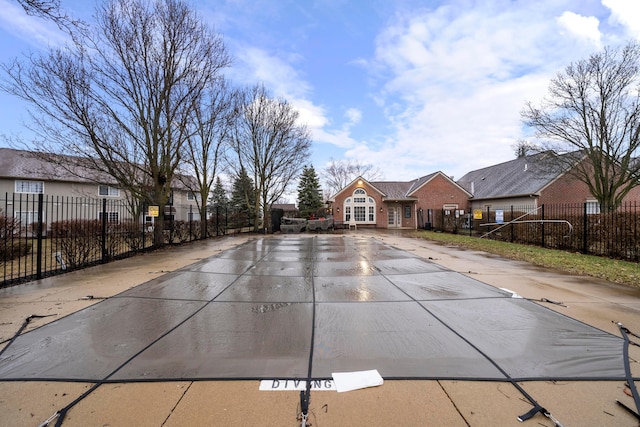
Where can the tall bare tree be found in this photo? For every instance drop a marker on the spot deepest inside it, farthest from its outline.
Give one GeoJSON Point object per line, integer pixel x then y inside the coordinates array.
{"type": "Point", "coordinates": [122, 96]}
{"type": "Point", "coordinates": [593, 108]}
{"type": "Point", "coordinates": [211, 123]}
{"type": "Point", "coordinates": [50, 10]}
{"type": "Point", "coordinates": [339, 173]}
{"type": "Point", "coordinates": [271, 145]}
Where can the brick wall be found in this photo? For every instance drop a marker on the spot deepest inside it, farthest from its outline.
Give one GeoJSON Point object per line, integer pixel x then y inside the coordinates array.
{"type": "Point", "coordinates": [569, 190]}
{"type": "Point", "coordinates": [338, 205]}
{"type": "Point", "coordinates": [439, 192]}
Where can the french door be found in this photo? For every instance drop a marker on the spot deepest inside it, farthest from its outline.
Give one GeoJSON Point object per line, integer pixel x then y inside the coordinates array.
{"type": "Point", "coordinates": [393, 217]}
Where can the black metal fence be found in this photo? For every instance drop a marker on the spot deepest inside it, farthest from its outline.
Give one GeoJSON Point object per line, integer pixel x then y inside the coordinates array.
{"type": "Point", "coordinates": [42, 235]}
{"type": "Point", "coordinates": [581, 228]}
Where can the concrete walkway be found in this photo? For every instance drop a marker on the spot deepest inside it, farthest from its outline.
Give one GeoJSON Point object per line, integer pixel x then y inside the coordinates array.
{"type": "Point", "coordinates": [408, 402]}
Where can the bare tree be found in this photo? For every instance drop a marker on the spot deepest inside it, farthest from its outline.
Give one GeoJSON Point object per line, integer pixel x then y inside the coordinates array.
{"type": "Point", "coordinates": [211, 123]}
{"type": "Point", "coordinates": [51, 10]}
{"type": "Point", "coordinates": [123, 95]}
{"type": "Point", "coordinates": [593, 108]}
{"type": "Point", "coordinates": [339, 173]}
{"type": "Point", "coordinates": [523, 148]}
{"type": "Point", "coordinates": [270, 145]}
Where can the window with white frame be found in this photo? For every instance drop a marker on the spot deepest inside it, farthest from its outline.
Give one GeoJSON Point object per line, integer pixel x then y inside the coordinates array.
{"type": "Point", "coordinates": [112, 217]}
{"type": "Point", "coordinates": [592, 207]}
{"type": "Point", "coordinates": [108, 191]}
{"type": "Point", "coordinates": [362, 206]}
{"type": "Point", "coordinates": [33, 187]}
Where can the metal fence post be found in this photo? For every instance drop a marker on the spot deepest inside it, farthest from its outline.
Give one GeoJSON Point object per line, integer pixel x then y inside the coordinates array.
{"type": "Point", "coordinates": [143, 213]}
{"type": "Point", "coordinates": [104, 230]}
{"type": "Point", "coordinates": [585, 224]}
{"type": "Point", "coordinates": [511, 227]}
{"type": "Point", "coordinates": [542, 225]}
{"type": "Point", "coordinates": [217, 220]}
{"type": "Point", "coordinates": [39, 241]}
{"type": "Point", "coordinates": [190, 222]}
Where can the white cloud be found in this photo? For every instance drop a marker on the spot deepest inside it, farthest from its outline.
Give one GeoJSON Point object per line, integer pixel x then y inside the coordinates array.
{"type": "Point", "coordinates": [626, 13]}
{"type": "Point", "coordinates": [278, 74]}
{"type": "Point", "coordinates": [37, 32]}
{"type": "Point", "coordinates": [353, 116]}
{"type": "Point", "coordinates": [309, 114]}
{"type": "Point", "coordinates": [282, 79]}
{"type": "Point", "coordinates": [581, 26]}
{"type": "Point", "coordinates": [453, 81]}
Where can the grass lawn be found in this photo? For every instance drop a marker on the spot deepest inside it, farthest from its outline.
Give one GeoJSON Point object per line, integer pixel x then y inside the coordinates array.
{"type": "Point", "coordinates": [613, 270]}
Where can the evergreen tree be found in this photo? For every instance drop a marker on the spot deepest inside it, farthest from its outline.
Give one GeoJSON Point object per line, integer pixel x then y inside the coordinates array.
{"type": "Point", "coordinates": [243, 198]}
{"type": "Point", "coordinates": [218, 202]}
{"type": "Point", "coordinates": [309, 192]}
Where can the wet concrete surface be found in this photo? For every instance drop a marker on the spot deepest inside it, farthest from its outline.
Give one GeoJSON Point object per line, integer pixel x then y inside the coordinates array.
{"type": "Point", "coordinates": [307, 306]}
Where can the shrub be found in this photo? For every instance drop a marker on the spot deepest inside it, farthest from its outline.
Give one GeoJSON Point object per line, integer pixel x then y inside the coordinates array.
{"type": "Point", "coordinates": [182, 231]}
{"type": "Point", "coordinates": [79, 241]}
{"type": "Point", "coordinates": [12, 249]}
{"type": "Point", "coordinates": [11, 246]}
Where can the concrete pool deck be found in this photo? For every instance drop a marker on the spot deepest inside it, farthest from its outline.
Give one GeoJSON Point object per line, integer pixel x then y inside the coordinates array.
{"type": "Point", "coordinates": [400, 402]}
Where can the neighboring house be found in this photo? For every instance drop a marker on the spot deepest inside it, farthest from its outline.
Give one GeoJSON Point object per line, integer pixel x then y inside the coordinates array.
{"type": "Point", "coordinates": [529, 182]}
{"type": "Point", "coordinates": [389, 204]}
{"type": "Point", "coordinates": [24, 174]}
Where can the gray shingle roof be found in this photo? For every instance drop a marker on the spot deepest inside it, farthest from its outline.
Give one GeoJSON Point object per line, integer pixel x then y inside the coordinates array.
{"type": "Point", "coordinates": [392, 189]}
{"type": "Point", "coordinates": [519, 177]}
{"type": "Point", "coordinates": [21, 164]}
{"type": "Point", "coordinates": [402, 190]}
{"type": "Point", "coordinates": [28, 165]}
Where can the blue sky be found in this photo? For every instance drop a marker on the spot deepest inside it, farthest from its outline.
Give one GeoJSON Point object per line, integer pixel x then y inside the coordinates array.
{"type": "Point", "coordinates": [409, 86]}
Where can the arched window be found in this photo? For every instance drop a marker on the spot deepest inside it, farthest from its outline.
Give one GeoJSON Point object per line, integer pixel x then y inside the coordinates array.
{"type": "Point", "coordinates": [360, 208]}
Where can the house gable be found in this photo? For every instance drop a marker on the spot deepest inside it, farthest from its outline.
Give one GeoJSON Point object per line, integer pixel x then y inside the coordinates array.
{"type": "Point", "coordinates": [359, 181]}
{"type": "Point", "coordinates": [425, 180]}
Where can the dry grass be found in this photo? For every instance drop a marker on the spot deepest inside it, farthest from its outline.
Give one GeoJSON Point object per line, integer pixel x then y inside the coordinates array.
{"type": "Point", "coordinates": [618, 271]}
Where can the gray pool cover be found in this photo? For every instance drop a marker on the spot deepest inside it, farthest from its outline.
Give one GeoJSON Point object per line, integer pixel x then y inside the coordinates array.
{"type": "Point", "coordinates": [304, 307]}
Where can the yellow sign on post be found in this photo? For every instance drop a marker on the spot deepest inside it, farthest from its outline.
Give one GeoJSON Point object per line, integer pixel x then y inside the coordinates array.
{"type": "Point", "coordinates": [477, 214]}
{"type": "Point", "coordinates": [154, 211]}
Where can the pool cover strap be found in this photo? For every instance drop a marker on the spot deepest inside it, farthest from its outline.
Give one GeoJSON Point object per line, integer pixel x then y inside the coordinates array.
{"type": "Point", "coordinates": [537, 408]}
{"type": "Point", "coordinates": [627, 368]}
{"type": "Point", "coordinates": [22, 328]}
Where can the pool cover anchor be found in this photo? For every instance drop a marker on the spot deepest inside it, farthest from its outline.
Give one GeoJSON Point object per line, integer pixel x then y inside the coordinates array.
{"type": "Point", "coordinates": [627, 370]}
{"type": "Point", "coordinates": [535, 410]}
{"type": "Point", "coordinates": [305, 398]}
{"type": "Point", "coordinates": [49, 420]}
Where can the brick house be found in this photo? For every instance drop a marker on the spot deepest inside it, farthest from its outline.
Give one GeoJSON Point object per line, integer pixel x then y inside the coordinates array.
{"type": "Point", "coordinates": [528, 182]}
{"type": "Point", "coordinates": [398, 204]}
